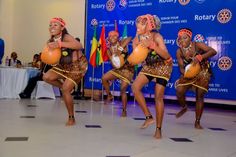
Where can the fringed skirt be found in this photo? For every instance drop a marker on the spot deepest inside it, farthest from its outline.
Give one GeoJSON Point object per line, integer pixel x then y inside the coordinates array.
{"type": "Point", "coordinates": [124, 73]}
{"type": "Point", "coordinates": [73, 71]}
{"type": "Point", "coordinates": [200, 81]}
{"type": "Point", "coordinates": [158, 70]}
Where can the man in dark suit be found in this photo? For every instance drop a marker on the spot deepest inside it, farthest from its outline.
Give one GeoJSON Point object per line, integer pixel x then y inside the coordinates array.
{"type": "Point", "coordinates": [26, 93]}
{"type": "Point", "coordinates": [14, 61]}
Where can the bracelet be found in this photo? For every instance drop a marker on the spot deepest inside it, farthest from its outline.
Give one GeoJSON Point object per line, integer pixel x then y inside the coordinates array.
{"type": "Point", "coordinates": [120, 48]}
{"type": "Point", "coordinates": [169, 60]}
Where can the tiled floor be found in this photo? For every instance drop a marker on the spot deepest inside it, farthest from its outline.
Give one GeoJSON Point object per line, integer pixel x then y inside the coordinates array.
{"type": "Point", "coordinates": [36, 128]}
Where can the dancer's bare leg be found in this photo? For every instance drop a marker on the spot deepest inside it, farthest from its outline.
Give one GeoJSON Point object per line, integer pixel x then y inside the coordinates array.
{"type": "Point", "coordinates": [180, 92]}
{"type": "Point", "coordinates": [105, 82]}
{"type": "Point", "coordinates": [199, 107]}
{"type": "Point", "coordinates": [137, 86]}
{"type": "Point", "coordinates": [123, 88]}
{"type": "Point", "coordinates": [67, 87]}
{"type": "Point", "coordinates": [159, 103]}
{"type": "Point", "coordinates": [52, 78]}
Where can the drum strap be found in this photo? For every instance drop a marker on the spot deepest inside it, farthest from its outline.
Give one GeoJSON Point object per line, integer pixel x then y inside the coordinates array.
{"type": "Point", "coordinates": [124, 54]}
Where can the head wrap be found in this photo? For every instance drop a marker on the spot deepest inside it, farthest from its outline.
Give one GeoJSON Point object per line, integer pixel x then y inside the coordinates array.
{"type": "Point", "coordinates": [112, 33]}
{"type": "Point", "coordinates": [186, 31]}
{"type": "Point", "coordinates": [152, 21]}
{"type": "Point", "coordinates": [59, 20]}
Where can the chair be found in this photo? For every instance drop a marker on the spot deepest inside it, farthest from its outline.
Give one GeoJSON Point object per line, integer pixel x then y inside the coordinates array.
{"type": "Point", "coordinates": [44, 90]}
{"type": "Point", "coordinates": [56, 91]}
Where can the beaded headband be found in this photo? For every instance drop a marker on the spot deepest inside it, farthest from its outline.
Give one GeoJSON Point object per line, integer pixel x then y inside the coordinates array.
{"type": "Point", "coordinates": [185, 31]}
{"type": "Point", "coordinates": [58, 19]}
{"type": "Point", "coordinates": [112, 33]}
{"type": "Point", "coordinates": [153, 22]}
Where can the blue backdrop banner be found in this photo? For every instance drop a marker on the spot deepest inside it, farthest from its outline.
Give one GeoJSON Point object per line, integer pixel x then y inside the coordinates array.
{"type": "Point", "coordinates": [211, 23]}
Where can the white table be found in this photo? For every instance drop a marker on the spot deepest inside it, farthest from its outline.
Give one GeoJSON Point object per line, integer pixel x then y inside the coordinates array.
{"type": "Point", "coordinates": [14, 80]}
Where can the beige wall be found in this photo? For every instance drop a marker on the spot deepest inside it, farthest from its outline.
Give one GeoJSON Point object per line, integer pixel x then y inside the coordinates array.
{"type": "Point", "coordinates": [24, 23]}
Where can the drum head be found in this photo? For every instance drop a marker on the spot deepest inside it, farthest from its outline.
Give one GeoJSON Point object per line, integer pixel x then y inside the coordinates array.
{"type": "Point", "coordinates": [116, 61]}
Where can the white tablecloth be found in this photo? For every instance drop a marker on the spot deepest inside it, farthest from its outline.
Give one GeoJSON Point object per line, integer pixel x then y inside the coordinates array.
{"type": "Point", "coordinates": [14, 80]}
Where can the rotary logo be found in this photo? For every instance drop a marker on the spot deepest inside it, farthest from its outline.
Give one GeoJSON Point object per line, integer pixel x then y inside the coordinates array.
{"type": "Point", "coordinates": [199, 38]}
{"type": "Point", "coordinates": [184, 2]}
{"type": "Point", "coordinates": [200, 1]}
{"type": "Point", "coordinates": [224, 16]}
{"type": "Point", "coordinates": [122, 4]}
{"type": "Point", "coordinates": [94, 22]}
{"type": "Point", "coordinates": [110, 5]}
{"type": "Point", "coordinates": [224, 63]}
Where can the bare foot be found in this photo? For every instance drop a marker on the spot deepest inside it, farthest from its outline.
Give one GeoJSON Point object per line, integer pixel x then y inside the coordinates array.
{"type": "Point", "coordinates": [147, 123]}
{"type": "Point", "coordinates": [71, 121]}
{"type": "Point", "coordinates": [124, 113]}
{"type": "Point", "coordinates": [109, 98]}
{"type": "Point", "coordinates": [181, 112]}
{"type": "Point", "coordinates": [158, 134]}
{"type": "Point", "coordinates": [197, 125]}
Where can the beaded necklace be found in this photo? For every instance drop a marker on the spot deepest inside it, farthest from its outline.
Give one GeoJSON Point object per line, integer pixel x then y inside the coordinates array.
{"type": "Point", "coordinates": [57, 38]}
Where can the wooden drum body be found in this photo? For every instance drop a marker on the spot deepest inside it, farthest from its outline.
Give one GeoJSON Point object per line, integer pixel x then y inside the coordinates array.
{"type": "Point", "coordinates": [191, 70]}
{"type": "Point", "coordinates": [138, 55]}
{"type": "Point", "coordinates": [51, 56]}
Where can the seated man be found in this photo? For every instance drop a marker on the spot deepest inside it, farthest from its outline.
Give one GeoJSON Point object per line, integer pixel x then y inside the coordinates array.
{"type": "Point", "coordinates": [33, 81]}
{"type": "Point", "coordinates": [14, 61]}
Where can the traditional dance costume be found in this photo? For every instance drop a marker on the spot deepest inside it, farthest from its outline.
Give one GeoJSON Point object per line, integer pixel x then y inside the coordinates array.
{"type": "Point", "coordinates": [124, 73]}
{"type": "Point", "coordinates": [202, 79]}
{"type": "Point", "coordinates": [156, 67]}
{"type": "Point", "coordinates": [72, 70]}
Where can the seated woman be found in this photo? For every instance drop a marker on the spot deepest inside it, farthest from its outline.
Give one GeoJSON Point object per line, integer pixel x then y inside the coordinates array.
{"type": "Point", "coordinates": [36, 61]}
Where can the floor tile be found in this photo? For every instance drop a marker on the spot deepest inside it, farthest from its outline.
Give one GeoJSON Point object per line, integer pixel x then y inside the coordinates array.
{"type": "Point", "coordinates": [81, 111]}
{"type": "Point", "coordinates": [171, 114]}
{"type": "Point", "coordinates": [93, 126]}
{"type": "Point", "coordinates": [31, 106]}
{"type": "Point", "coordinates": [181, 140]}
{"type": "Point", "coordinates": [27, 116]}
{"type": "Point", "coordinates": [16, 139]}
{"type": "Point", "coordinates": [217, 129]}
{"type": "Point", "coordinates": [139, 118]}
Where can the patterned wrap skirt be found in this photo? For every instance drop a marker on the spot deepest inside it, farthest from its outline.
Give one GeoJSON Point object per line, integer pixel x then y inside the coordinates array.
{"type": "Point", "coordinates": [125, 73]}
{"type": "Point", "coordinates": [200, 81]}
{"type": "Point", "coordinates": [160, 69]}
{"type": "Point", "coordinates": [73, 71]}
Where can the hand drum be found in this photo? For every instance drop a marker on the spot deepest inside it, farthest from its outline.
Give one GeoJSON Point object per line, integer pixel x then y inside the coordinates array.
{"type": "Point", "coordinates": [192, 70]}
{"type": "Point", "coordinates": [138, 55]}
{"type": "Point", "coordinates": [117, 61]}
{"type": "Point", "coordinates": [51, 56]}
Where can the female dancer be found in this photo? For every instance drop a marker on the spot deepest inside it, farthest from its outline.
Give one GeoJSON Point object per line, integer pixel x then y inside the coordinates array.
{"type": "Point", "coordinates": [158, 66]}
{"type": "Point", "coordinates": [72, 65]}
{"type": "Point", "coordinates": [195, 52]}
{"type": "Point", "coordinates": [125, 73]}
